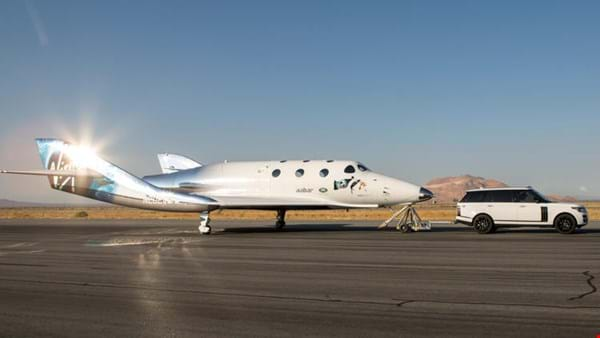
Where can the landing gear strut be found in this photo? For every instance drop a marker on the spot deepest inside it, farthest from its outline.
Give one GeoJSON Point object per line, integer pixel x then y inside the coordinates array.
{"type": "Point", "coordinates": [408, 220]}
{"type": "Point", "coordinates": [280, 219]}
{"type": "Point", "coordinates": [204, 220]}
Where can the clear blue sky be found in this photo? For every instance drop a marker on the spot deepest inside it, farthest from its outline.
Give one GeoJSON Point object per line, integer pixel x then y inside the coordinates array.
{"type": "Point", "coordinates": [415, 89]}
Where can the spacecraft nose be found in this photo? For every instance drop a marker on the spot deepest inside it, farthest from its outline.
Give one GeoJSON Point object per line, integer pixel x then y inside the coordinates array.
{"type": "Point", "coordinates": [425, 194]}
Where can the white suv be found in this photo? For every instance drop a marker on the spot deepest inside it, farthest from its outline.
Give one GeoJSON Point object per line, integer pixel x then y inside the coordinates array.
{"type": "Point", "coordinates": [486, 209]}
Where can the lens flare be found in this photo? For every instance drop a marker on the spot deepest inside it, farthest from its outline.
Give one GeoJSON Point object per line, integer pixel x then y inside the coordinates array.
{"type": "Point", "coordinates": [83, 157]}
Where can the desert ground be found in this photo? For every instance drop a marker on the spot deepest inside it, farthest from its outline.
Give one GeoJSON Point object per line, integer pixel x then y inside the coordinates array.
{"type": "Point", "coordinates": [432, 212]}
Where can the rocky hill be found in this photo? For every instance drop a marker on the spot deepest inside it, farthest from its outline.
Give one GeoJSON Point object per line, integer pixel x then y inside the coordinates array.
{"type": "Point", "coordinates": [452, 189]}
{"type": "Point", "coordinates": [4, 203]}
{"type": "Point", "coordinates": [559, 198]}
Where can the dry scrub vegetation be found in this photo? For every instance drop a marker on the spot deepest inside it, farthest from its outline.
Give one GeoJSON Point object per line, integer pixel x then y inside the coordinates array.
{"type": "Point", "coordinates": [428, 212]}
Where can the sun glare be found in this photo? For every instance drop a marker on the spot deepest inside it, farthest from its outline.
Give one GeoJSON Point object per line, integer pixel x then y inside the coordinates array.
{"type": "Point", "coordinates": [83, 156]}
{"type": "Point", "coordinates": [85, 146]}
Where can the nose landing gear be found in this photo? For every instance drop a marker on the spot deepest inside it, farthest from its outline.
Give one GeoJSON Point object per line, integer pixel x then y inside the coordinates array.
{"type": "Point", "coordinates": [408, 220]}
{"type": "Point", "coordinates": [204, 228]}
{"type": "Point", "coordinates": [280, 219]}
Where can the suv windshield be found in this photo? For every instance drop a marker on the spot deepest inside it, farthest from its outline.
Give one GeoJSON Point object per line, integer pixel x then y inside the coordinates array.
{"type": "Point", "coordinates": [540, 198]}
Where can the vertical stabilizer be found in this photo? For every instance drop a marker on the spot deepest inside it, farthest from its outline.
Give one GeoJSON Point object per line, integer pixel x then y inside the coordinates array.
{"type": "Point", "coordinates": [172, 163]}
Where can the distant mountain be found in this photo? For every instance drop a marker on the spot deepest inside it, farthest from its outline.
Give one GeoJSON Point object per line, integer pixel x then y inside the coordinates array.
{"type": "Point", "coordinates": [5, 203]}
{"type": "Point", "coordinates": [559, 198]}
{"type": "Point", "coordinates": [452, 189]}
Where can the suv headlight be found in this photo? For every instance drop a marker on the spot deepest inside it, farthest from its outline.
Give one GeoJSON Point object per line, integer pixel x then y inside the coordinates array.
{"type": "Point", "coordinates": [580, 209]}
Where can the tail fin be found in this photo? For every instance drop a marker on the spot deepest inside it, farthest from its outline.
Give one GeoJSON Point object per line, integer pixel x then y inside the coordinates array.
{"type": "Point", "coordinates": [50, 153]}
{"type": "Point", "coordinates": [55, 158]}
{"type": "Point", "coordinates": [172, 163]}
{"type": "Point", "coordinates": [78, 170]}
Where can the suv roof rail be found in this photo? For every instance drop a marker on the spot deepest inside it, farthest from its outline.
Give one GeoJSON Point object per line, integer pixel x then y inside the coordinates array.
{"type": "Point", "coordinates": [501, 188]}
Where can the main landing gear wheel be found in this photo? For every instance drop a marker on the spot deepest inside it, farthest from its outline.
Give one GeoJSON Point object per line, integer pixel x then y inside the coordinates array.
{"type": "Point", "coordinates": [279, 225]}
{"type": "Point", "coordinates": [483, 224]}
{"type": "Point", "coordinates": [204, 228]}
{"type": "Point", "coordinates": [405, 228]}
{"type": "Point", "coordinates": [565, 224]}
{"type": "Point", "coordinates": [280, 220]}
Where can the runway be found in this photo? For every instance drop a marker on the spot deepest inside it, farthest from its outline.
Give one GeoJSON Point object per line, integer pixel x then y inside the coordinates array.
{"type": "Point", "coordinates": [161, 278]}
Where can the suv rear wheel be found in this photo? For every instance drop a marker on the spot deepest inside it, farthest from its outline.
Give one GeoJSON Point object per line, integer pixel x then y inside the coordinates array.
{"type": "Point", "coordinates": [483, 224]}
{"type": "Point", "coordinates": [565, 224]}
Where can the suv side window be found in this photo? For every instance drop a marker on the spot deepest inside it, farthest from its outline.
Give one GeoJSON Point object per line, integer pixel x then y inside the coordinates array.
{"type": "Point", "coordinates": [501, 196]}
{"type": "Point", "coordinates": [474, 197]}
{"type": "Point", "coordinates": [525, 196]}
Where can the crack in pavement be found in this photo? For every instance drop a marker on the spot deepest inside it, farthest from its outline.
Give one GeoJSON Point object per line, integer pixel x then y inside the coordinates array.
{"type": "Point", "coordinates": [395, 302]}
{"type": "Point", "coordinates": [405, 302]}
{"type": "Point", "coordinates": [590, 277]}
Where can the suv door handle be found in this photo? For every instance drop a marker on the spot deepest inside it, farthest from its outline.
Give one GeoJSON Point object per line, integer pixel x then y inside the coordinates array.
{"type": "Point", "coordinates": [523, 206]}
{"type": "Point", "coordinates": [490, 206]}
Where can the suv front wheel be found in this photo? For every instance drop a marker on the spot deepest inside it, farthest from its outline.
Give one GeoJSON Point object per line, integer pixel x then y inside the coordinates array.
{"type": "Point", "coordinates": [483, 224]}
{"type": "Point", "coordinates": [565, 224]}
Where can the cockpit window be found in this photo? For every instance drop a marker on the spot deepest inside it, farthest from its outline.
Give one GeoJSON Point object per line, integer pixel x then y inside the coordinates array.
{"type": "Point", "coordinates": [350, 169]}
{"type": "Point", "coordinates": [362, 167]}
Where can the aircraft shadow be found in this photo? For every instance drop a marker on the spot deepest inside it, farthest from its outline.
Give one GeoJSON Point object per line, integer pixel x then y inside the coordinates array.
{"type": "Point", "coordinates": [329, 227]}
{"type": "Point", "coordinates": [300, 228]}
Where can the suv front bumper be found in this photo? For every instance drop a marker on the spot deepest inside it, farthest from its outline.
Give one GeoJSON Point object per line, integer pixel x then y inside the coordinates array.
{"type": "Point", "coordinates": [585, 220]}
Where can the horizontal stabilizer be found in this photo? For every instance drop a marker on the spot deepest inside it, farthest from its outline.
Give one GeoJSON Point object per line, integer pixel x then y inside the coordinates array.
{"type": "Point", "coordinates": [171, 163]}
{"type": "Point", "coordinates": [75, 172]}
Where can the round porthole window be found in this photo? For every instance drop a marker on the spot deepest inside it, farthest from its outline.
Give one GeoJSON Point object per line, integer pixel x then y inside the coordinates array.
{"type": "Point", "coordinates": [299, 172]}
{"type": "Point", "coordinates": [324, 172]}
{"type": "Point", "coordinates": [276, 173]}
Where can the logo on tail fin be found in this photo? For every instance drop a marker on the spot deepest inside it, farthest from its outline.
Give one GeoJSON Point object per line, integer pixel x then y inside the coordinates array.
{"type": "Point", "coordinates": [60, 161]}
{"type": "Point", "coordinates": [54, 157]}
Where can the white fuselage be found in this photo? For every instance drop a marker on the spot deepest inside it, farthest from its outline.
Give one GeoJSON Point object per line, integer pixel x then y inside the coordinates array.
{"type": "Point", "coordinates": [291, 184]}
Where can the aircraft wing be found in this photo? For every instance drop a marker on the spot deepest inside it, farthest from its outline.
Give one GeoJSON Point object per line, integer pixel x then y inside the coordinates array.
{"type": "Point", "coordinates": [233, 202]}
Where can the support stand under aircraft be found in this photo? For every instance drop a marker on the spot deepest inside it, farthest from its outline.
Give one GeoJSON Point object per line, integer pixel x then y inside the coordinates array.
{"type": "Point", "coordinates": [408, 220]}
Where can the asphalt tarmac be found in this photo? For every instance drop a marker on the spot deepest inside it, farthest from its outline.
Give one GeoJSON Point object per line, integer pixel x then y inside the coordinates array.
{"type": "Point", "coordinates": [161, 278]}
